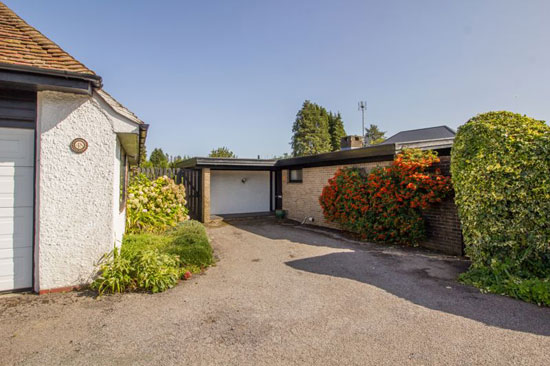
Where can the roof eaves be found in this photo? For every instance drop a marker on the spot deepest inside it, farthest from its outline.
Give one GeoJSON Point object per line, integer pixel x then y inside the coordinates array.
{"type": "Point", "coordinates": [96, 80]}
{"type": "Point", "coordinates": [342, 156]}
{"type": "Point", "coordinates": [207, 162]}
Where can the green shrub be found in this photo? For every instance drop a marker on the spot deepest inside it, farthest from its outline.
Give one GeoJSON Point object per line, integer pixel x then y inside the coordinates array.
{"type": "Point", "coordinates": [147, 270]}
{"type": "Point", "coordinates": [501, 174]}
{"type": "Point", "coordinates": [190, 242]}
{"type": "Point", "coordinates": [116, 274]}
{"type": "Point", "coordinates": [499, 278]}
{"type": "Point", "coordinates": [135, 243]}
{"type": "Point", "coordinates": [156, 271]}
{"type": "Point", "coordinates": [155, 262]}
{"type": "Point", "coordinates": [386, 204]}
{"type": "Point", "coordinates": [154, 206]}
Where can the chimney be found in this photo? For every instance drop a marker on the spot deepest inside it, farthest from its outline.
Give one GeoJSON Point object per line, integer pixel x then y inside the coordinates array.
{"type": "Point", "coordinates": [351, 142]}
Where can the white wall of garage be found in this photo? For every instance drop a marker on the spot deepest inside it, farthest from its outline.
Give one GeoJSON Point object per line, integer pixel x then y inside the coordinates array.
{"type": "Point", "coordinates": [78, 217]}
{"type": "Point", "coordinates": [229, 195]}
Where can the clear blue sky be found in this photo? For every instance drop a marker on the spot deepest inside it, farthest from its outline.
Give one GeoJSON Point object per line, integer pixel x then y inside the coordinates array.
{"type": "Point", "coordinates": [205, 74]}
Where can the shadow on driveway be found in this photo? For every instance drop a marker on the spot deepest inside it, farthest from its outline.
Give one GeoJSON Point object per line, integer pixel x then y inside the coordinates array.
{"type": "Point", "coordinates": [421, 277]}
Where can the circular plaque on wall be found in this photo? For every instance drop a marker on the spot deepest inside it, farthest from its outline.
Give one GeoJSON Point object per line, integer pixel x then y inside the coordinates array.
{"type": "Point", "coordinates": [79, 145]}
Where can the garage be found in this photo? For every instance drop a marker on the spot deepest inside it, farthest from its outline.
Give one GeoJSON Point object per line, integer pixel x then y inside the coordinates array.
{"type": "Point", "coordinates": [239, 191]}
{"type": "Point", "coordinates": [226, 186]}
{"type": "Point", "coordinates": [17, 115]}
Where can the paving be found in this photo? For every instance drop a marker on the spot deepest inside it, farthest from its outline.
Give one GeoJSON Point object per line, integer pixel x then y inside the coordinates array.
{"type": "Point", "coordinates": [285, 295]}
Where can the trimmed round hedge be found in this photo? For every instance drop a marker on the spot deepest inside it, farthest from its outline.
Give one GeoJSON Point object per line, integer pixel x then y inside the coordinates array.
{"type": "Point", "coordinates": [501, 175]}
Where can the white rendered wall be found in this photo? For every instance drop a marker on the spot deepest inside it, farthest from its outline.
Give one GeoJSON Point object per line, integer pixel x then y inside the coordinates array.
{"type": "Point", "coordinates": [228, 194]}
{"type": "Point", "coordinates": [77, 218]}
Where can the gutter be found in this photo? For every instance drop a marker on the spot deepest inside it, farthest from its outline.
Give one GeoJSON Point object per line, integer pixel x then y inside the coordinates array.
{"type": "Point", "coordinates": [95, 80]}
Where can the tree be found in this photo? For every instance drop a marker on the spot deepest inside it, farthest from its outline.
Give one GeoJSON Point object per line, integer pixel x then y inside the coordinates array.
{"type": "Point", "coordinates": [336, 130]}
{"type": "Point", "coordinates": [173, 161]}
{"type": "Point", "coordinates": [373, 135]}
{"type": "Point", "coordinates": [310, 131]}
{"type": "Point", "coordinates": [159, 159]}
{"type": "Point", "coordinates": [222, 152]}
{"type": "Point", "coordinates": [283, 156]}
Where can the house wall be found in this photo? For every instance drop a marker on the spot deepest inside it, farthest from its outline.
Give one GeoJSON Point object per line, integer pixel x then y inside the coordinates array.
{"type": "Point", "coordinates": [228, 194]}
{"type": "Point", "coordinates": [301, 200]}
{"type": "Point", "coordinates": [443, 230]}
{"type": "Point", "coordinates": [77, 214]}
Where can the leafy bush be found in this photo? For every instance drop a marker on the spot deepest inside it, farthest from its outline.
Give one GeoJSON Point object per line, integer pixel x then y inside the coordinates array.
{"type": "Point", "coordinates": [191, 244]}
{"type": "Point", "coordinates": [501, 173]}
{"type": "Point", "coordinates": [148, 270]}
{"type": "Point", "coordinates": [385, 204]}
{"type": "Point", "coordinates": [156, 271]}
{"type": "Point", "coordinates": [116, 274]}
{"type": "Point", "coordinates": [155, 262]}
{"type": "Point", "coordinates": [154, 206]}
{"type": "Point", "coordinates": [499, 278]}
{"type": "Point", "coordinates": [136, 243]}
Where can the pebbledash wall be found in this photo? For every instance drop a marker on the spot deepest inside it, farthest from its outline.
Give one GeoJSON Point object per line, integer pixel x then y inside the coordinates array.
{"type": "Point", "coordinates": [77, 199]}
{"type": "Point", "coordinates": [301, 200]}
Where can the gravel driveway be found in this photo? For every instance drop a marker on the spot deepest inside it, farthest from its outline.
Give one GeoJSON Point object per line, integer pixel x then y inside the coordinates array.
{"type": "Point", "coordinates": [285, 295]}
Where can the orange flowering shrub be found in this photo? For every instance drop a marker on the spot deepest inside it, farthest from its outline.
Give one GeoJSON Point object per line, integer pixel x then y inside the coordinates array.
{"type": "Point", "coordinates": [386, 204]}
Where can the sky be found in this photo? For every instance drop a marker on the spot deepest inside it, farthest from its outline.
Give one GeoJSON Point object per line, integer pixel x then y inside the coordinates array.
{"type": "Point", "coordinates": [206, 74]}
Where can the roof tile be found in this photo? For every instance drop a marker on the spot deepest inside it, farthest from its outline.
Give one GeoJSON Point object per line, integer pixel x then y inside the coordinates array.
{"type": "Point", "coordinates": [21, 44]}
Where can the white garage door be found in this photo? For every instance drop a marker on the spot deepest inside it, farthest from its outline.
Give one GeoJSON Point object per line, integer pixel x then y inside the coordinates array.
{"type": "Point", "coordinates": [16, 207]}
{"type": "Point", "coordinates": [239, 191]}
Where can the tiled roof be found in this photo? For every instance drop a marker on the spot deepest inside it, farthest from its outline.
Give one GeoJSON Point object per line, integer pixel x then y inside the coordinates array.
{"type": "Point", "coordinates": [21, 44]}
{"type": "Point", "coordinates": [421, 134]}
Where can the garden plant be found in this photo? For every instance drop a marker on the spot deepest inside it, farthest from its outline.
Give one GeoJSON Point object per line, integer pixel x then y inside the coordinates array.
{"type": "Point", "coordinates": [154, 206]}
{"type": "Point", "coordinates": [501, 174]}
{"type": "Point", "coordinates": [386, 204]}
{"type": "Point", "coordinates": [161, 245]}
{"type": "Point", "coordinates": [155, 262]}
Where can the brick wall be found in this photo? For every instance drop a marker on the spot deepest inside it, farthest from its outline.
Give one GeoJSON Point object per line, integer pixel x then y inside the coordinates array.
{"type": "Point", "coordinates": [443, 228]}
{"type": "Point", "coordinates": [442, 223]}
{"type": "Point", "coordinates": [301, 200]}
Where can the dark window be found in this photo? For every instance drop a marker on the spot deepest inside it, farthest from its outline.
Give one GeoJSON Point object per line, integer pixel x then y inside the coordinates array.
{"type": "Point", "coordinates": [123, 178]}
{"type": "Point", "coordinates": [295, 175]}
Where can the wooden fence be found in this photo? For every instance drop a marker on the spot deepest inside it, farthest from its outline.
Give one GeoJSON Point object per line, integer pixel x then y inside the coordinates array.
{"type": "Point", "coordinates": [154, 173]}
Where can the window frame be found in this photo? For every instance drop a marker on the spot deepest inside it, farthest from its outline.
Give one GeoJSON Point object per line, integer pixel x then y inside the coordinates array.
{"type": "Point", "coordinates": [301, 180]}
{"type": "Point", "coordinates": [123, 179]}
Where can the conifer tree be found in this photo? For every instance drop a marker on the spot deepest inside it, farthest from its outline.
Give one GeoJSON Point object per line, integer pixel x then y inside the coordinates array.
{"type": "Point", "coordinates": [311, 130]}
{"type": "Point", "coordinates": [336, 130]}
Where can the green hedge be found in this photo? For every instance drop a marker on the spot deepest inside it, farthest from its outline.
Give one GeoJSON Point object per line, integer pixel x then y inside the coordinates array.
{"type": "Point", "coordinates": [501, 175]}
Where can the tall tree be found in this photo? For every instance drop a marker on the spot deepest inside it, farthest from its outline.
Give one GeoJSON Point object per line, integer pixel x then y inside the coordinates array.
{"type": "Point", "coordinates": [336, 130]}
{"type": "Point", "coordinates": [222, 152]}
{"type": "Point", "coordinates": [310, 130]}
{"type": "Point", "coordinates": [158, 158]}
{"type": "Point", "coordinates": [173, 161]}
{"type": "Point", "coordinates": [373, 135]}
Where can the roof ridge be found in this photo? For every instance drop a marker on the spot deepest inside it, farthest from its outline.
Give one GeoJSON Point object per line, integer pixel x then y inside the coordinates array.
{"type": "Point", "coordinates": [427, 128]}
{"type": "Point", "coordinates": [22, 44]}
